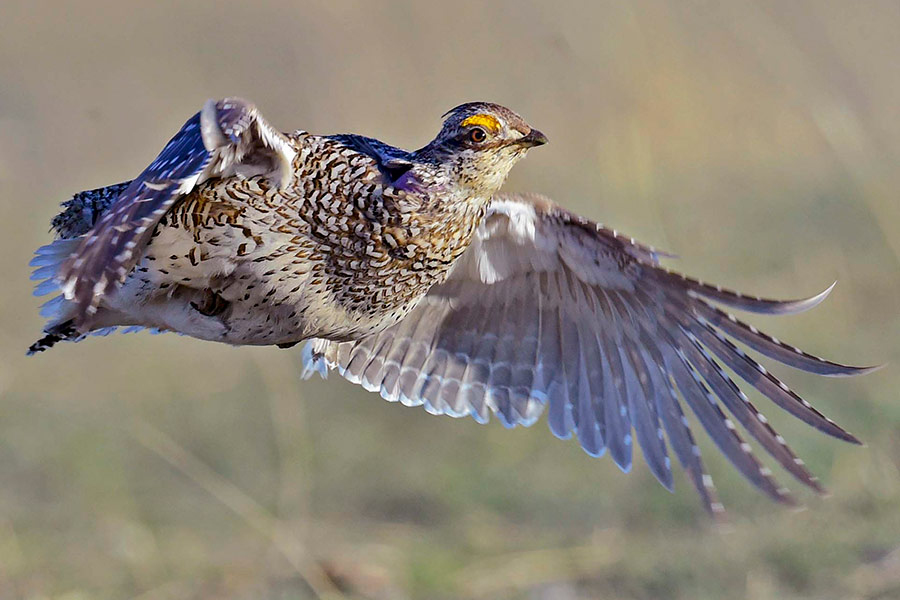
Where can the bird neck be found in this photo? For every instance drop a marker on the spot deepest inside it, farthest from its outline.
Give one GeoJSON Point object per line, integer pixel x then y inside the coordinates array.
{"type": "Point", "coordinates": [452, 176]}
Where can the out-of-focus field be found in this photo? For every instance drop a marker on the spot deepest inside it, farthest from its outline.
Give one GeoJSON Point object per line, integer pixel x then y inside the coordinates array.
{"type": "Point", "coordinates": [758, 140]}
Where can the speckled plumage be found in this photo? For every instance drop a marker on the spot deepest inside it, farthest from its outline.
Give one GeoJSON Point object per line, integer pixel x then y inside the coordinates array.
{"type": "Point", "coordinates": [291, 236]}
{"type": "Point", "coordinates": [409, 274]}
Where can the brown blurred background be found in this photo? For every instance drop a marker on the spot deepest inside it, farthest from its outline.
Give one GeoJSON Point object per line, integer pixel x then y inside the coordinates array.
{"type": "Point", "coordinates": [759, 140]}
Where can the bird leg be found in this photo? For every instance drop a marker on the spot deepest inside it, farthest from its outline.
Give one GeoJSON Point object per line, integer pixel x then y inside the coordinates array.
{"type": "Point", "coordinates": [210, 304]}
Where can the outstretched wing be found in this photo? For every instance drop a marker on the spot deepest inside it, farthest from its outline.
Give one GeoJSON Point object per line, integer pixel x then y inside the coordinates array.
{"type": "Point", "coordinates": [225, 138]}
{"type": "Point", "coordinates": [549, 310]}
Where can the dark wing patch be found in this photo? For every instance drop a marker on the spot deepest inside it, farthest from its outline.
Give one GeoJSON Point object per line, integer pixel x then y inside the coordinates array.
{"type": "Point", "coordinates": [548, 310]}
{"type": "Point", "coordinates": [392, 162]}
{"type": "Point", "coordinates": [217, 142]}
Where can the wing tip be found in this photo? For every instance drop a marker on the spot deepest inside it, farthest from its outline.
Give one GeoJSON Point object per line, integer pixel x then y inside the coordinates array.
{"type": "Point", "coordinates": [804, 304]}
{"type": "Point", "coordinates": [784, 496]}
{"type": "Point", "coordinates": [750, 303]}
{"type": "Point", "coordinates": [800, 305]}
{"type": "Point", "coordinates": [824, 492]}
{"type": "Point", "coordinates": [792, 307]}
{"type": "Point", "coordinates": [813, 301]}
{"type": "Point", "coordinates": [836, 431]}
{"type": "Point", "coordinates": [854, 371]}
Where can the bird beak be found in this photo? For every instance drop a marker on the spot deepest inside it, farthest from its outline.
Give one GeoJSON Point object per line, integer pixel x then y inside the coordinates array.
{"type": "Point", "coordinates": [533, 138]}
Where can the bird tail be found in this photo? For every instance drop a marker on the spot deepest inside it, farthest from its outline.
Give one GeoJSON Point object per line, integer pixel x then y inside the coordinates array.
{"type": "Point", "coordinates": [47, 262]}
{"type": "Point", "coordinates": [78, 215]}
{"type": "Point", "coordinates": [60, 312]}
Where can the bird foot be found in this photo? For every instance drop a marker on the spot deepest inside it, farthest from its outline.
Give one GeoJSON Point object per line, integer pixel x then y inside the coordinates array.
{"type": "Point", "coordinates": [211, 304]}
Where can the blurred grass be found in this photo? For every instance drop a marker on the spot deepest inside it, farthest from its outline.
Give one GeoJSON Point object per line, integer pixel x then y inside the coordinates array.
{"type": "Point", "coordinates": [758, 140]}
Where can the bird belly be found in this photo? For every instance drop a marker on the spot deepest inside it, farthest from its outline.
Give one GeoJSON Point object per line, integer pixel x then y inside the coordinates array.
{"type": "Point", "coordinates": [226, 286]}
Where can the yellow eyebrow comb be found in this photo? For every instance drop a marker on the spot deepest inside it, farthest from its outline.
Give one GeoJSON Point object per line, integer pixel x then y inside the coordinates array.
{"type": "Point", "coordinates": [487, 121]}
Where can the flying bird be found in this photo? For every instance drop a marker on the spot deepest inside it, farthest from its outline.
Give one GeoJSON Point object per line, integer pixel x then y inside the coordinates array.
{"type": "Point", "coordinates": [412, 275]}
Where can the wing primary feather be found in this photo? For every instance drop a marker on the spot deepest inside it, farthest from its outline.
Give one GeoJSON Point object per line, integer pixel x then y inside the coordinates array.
{"type": "Point", "coordinates": [567, 378]}
{"type": "Point", "coordinates": [772, 347]}
{"type": "Point", "coordinates": [695, 287]}
{"type": "Point", "coordinates": [744, 411]}
{"type": "Point", "coordinates": [769, 385]}
{"type": "Point", "coordinates": [678, 430]}
{"type": "Point", "coordinates": [619, 439]}
{"type": "Point", "coordinates": [643, 400]}
{"type": "Point", "coordinates": [499, 360]}
{"type": "Point", "coordinates": [586, 425]}
{"type": "Point", "coordinates": [592, 362]}
{"type": "Point", "coordinates": [552, 372]}
{"type": "Point", "coordinates": [641, 392]}
{"type": "Point", "coordinates": [716, 424]}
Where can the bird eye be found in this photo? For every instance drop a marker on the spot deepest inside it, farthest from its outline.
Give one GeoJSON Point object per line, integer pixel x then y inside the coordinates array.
{"type": "Point", "coordinates": [477, 135]}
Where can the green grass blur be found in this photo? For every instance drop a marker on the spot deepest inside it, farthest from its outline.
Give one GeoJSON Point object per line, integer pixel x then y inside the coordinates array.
{"type": "Point", "coordinates": [759, 140]}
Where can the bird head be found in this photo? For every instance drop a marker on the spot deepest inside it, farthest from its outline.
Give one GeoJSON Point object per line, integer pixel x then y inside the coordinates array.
{"type": "Point", "coordinates": [480, 142]}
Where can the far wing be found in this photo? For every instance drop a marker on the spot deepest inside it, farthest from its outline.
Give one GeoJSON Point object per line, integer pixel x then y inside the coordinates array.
{"type": "Point", "coordinates": [225, 138]}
